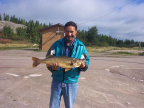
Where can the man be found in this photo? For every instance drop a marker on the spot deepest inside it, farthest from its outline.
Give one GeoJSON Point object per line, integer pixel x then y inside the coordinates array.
{"type": "Point", "coordinates": [66, 83]}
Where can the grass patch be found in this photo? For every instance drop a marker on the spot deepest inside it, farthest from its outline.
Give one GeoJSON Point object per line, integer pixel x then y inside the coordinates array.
{"type": "Point", "coordinates": [104, 49]}
{"type": "Point", "coordinates": [141, 54]}
{"type": "Point", "coordinates": [17, 45]}
{"type": "Point", "coordinates": [124, 53]}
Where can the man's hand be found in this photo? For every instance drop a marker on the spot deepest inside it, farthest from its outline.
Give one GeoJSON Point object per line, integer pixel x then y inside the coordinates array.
{"type": "Point", "coordinates": [82, 65]}
{"type": "Point", "coordinates": [54, 67]}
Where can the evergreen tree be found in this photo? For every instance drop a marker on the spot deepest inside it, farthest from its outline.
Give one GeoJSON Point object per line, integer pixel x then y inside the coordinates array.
{"type": "Point", "coordinates": [120, 43]}
{"type": "Point", "coordinates": [7, 32]}
{"type": "Point", "coordinates": [81, 35]}
{"type": "Point", "coordinates": [21, 33]}
{"type": "Point", "coordinates": [19, 21]}
{"type": "Point", "coordinates": [0, 17]}
{"type": "Point", "coordinates": [6, 17]}
{"type": "Point", "coordinates": [11, 19]}
{"type": "Point", "coordinates": [44, 25]}
{"type": "Point", "coordinates": [92, 36]}
{"type": "Point", "coordinates": [127, 42]}
{"type": "Point", "coordinates": [111, 41]}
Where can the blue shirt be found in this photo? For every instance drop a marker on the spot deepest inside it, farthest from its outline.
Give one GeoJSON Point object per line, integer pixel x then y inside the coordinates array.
{"type": "Point", "coordinates": [68, 49]}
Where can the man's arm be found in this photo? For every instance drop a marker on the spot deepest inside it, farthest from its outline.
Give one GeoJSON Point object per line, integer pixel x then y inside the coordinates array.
{"type": "Point", "coordinates": [51, 51]}
{"type": "Point", "coordinates": [84, 65]}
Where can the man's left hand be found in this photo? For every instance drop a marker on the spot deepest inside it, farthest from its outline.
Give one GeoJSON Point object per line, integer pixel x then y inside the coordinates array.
{"type": "Point", "coordinates": [82, 65]}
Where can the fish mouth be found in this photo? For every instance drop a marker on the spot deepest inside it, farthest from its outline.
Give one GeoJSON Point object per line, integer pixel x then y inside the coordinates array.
{"type": "Point", "coordinates": [77, 65]}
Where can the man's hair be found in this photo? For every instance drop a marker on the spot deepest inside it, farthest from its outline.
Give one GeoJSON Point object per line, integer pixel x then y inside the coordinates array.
{"type": "Point", "coordinates": [70, 23]}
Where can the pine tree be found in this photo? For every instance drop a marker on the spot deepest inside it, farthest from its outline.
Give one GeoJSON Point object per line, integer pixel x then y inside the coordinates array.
{"type": "Point", "coordinates": [92, 36]}
{"type": "Point", "coordinates": [81, 35]}
{"type": "Point", "coordinates": [8, 32]}
{"type": "Point", "coordinates": [6, 17]}
{"type": "Point", "coordinates": [21, 33]}
{"type": "Point", "coordinates": [0, 17]}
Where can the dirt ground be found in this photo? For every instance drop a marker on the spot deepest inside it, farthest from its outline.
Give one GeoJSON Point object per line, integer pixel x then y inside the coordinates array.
{"type": "Point", "coordinates": [110, 82]}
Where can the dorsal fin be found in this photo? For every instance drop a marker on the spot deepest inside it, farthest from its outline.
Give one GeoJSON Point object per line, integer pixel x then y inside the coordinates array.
{"type": "Point", "coordinates": [50, 56]}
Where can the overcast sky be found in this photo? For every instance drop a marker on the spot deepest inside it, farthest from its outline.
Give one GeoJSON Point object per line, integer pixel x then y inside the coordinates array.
{"type": "Point", "coordinates": [122, 19]}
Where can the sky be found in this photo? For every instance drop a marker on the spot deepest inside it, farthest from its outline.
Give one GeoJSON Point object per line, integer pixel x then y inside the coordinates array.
{"type": "Point", "coordinates": [121, 19]}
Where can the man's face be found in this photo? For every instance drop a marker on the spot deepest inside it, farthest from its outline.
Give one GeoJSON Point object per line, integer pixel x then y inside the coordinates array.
{"type": "Point", "coordinates": [70, 33]}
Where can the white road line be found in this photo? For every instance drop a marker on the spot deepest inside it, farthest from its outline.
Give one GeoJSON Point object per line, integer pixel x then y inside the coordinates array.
{"type": "Point", "coordinates": [107, 70]}
{"type": "Point", "coordinates": [12, 74]}
{"type": "Point", "coordinates": [35, 75]}
{"type": "Point", "coordinates": [115, 66]}
{"type": "Point", "coordinates": [82, 78]}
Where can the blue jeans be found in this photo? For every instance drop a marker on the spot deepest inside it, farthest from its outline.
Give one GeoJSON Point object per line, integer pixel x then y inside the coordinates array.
{"type": "Point", "coordinates": [68, 90]}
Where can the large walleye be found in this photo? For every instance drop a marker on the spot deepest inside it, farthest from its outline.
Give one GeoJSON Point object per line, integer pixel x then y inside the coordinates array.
{"type": "Point", "coordinates": [62, 61]}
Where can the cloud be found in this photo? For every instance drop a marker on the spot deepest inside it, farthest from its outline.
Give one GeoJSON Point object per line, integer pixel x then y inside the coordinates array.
{"type": "Point", "coordinates": [111, 17]}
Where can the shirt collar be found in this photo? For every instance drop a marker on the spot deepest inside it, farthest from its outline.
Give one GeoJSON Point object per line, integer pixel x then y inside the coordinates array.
{"type": "Point", "coordinates": [72, 44]}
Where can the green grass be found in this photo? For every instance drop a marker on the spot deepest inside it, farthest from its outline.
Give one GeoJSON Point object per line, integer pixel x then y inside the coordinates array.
{"type": "Point", "coordinates": [141, 54]}
{"type": "Point", "coordinates": [16, 45]}
{"type": "Point", "coordinates": [123, 53]}
{"type": "Point", "coordinates": [128, 53]}
{"type": "Point", "coordinates": [104, 49]}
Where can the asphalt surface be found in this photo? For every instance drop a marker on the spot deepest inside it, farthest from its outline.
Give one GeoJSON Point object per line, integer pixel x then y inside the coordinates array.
{"type": "Point", "coordinates": [110, 82]}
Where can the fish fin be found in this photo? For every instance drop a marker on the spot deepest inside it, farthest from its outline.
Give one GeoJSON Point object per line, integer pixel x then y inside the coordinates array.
{"type": "Point", "coordinates": [67, 69]}
{"type": "Point", "coordinates": [36, 61]}
{"type": "Point", "coordinates": [50, 56]}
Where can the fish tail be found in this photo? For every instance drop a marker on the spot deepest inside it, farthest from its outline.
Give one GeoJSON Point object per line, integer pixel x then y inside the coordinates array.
{"type": "Point", "coordinates": [36, 61]}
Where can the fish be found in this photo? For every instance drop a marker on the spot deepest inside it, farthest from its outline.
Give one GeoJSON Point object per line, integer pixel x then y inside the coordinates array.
{"type": "Point", "coordinates": [62, 61]}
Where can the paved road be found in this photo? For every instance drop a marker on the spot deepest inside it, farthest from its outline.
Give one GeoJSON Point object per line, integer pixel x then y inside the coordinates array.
{"type": "Point", "coordinates": [110, 82]}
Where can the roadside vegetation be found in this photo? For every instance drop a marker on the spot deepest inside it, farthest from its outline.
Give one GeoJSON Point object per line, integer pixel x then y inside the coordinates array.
{"type": "Point", "coordinates": [110, 48]}
{"type": "Point", "coordinates": [6, 44]}
{"type": "Point", "coordinates": [124, 51]}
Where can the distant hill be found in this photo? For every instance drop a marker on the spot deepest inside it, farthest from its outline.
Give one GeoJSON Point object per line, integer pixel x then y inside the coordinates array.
{"type": "Point", "coordinates": [11, 24]}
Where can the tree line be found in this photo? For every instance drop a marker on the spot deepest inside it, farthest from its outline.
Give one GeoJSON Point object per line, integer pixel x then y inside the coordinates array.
{"type": "Point", "coordinates": [91, 37]}
{"type": "Point", "coordinates": [31, 33]}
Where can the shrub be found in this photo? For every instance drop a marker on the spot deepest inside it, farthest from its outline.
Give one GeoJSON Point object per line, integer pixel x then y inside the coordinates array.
{"type": "Point", "coordinates": [3, 41]}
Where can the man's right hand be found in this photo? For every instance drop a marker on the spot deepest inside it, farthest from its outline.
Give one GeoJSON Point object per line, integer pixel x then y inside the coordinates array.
{"type": "Point", "coordinates": [54, 67]}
